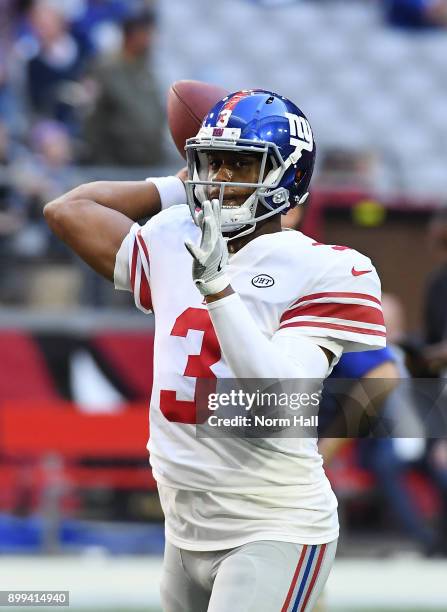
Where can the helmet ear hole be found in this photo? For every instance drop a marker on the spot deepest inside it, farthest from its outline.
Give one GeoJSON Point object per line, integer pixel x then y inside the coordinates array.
{"type": "Point", "coordinates": [298, 176]}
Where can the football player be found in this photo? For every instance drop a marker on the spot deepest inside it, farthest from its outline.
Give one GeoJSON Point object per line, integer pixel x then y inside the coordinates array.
{"type": "Point", "coordinates": [251, 523]}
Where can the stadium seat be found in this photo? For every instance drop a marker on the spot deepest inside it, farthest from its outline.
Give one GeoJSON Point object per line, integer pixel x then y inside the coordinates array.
{"type": "Point", "coordinates": [330, 54]}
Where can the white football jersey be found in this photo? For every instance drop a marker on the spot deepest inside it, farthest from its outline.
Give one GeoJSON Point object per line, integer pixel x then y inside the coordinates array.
{"type": "Point", "coordinates": [218, 493]}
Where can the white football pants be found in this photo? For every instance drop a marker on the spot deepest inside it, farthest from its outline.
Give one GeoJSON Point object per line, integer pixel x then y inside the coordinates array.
{"type": "Point", "coordinates": [264, 576]}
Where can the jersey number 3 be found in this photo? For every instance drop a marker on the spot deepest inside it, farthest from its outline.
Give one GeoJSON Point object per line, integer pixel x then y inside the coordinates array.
{"type": "Point", "coordinates": [197, 366]}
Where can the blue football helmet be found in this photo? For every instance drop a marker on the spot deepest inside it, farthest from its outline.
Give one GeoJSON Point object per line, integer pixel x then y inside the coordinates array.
{"type": "Point", "coordinates": [254, 122]}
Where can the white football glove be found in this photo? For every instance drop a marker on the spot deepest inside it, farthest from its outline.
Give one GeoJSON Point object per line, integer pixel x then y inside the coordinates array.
{"type": "Point", "coordinates": [211, 257]}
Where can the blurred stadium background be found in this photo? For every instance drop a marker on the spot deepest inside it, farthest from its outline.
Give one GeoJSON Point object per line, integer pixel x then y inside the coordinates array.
{"type": "Point", "coordinates": [82, 91]}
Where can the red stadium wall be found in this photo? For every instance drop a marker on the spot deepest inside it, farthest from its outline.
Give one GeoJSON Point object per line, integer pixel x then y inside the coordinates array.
{"type": "Point", "coordinates": [37, 421]}
{"type": "Point", "coordinates": [38, 418]}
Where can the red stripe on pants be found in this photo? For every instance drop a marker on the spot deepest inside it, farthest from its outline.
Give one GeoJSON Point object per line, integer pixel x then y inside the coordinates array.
{"type": "Point", "coordinates": [294, 579]}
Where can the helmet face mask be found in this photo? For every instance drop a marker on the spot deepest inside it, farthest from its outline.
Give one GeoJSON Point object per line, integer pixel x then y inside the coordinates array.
{"type": "Point", "coordinates": [282, 153]}
{"type": "Point", "coordinates": [264, 184]}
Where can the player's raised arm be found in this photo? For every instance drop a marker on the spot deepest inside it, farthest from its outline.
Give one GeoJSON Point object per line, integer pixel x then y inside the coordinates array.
{"type": "Point", "coordinates": [94, 218]}
{"type": "Point", "coordinates": [134, 199]}
{"type": "Point", "coordinates": [93, 231]}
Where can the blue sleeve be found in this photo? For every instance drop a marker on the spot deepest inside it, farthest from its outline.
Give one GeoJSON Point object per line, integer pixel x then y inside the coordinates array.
{"type": "Point", "coordinates": [356, 365]}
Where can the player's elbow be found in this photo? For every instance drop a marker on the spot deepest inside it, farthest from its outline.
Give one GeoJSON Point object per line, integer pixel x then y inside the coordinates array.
{"type": "Point", "coordinates": [52, 214]}
{"type": "Point", "coordinates": [58, 214]}
{"type": "Point", "coordinates": [62, 212]}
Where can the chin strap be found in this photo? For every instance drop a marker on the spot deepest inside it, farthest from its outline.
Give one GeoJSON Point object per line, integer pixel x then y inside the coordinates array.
{"type": "Point", "coordinates": [242, 214]}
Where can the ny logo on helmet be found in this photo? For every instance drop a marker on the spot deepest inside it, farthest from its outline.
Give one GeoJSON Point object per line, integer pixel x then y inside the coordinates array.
{"type": "Point", "coordinates": [300, 132]}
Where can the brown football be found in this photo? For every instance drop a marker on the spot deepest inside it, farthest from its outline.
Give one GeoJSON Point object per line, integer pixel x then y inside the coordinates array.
{"type": "Point", "coordinates": [188, 103]}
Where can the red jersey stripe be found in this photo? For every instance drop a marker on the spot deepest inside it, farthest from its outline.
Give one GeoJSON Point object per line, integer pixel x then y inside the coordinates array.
{"type": "Point", "coordinates": [335, 294]}
{"type": "Point", "coordinates": [351, 312]}
{"type": "Point", "coordinates": [143, 245]}
{"type": "Point", "coordinates": [354, 330]}
{"type": "Point", "coordinates": [145, 291]}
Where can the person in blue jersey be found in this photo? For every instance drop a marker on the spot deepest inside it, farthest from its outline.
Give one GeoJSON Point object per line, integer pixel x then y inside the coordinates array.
{"type": "Point", "coordinates": [389, 458]}
{"type": "Point", "coordinates": [380, 455]}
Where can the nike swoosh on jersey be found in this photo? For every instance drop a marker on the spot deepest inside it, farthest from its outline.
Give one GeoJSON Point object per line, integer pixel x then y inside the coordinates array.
{"type": "Point", "coordinates": [355, 272]}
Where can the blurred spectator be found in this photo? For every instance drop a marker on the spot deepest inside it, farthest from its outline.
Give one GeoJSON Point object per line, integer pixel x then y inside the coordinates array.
{"type": "Point", "coordinates": [395, 320]}
{"type": "Point", "coordinates": [98, 25]}
{"type": "Point", "coordinates": [6, 15]}
{"type": "Point", "coordinates": [10, 217]}
{"type": "Point", "coordinates": [55, 66]}
{"type": "Point", "coordinates": [10, 106]}
{"type": "Point", "coordinates": [388, 458]}
{"type": "Point", "coordinates": [9, 149]}
{"type": "Point", "coordinates": [416, 14]}
{"type": "Point", "coordinates": [379, 455]}
{"type": "Point", "coordinates": [39, 177]}
{"type": "Point", "coordinates": [360, 169]}
{"type": "Point", "coordinates": [127, 122]}
{"type": "Point", "coordinates": [435, 354]}
{"type": "Point", "coordinates": [435, 301]}
{"type": "Point", "coordinates": [436, 296]}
